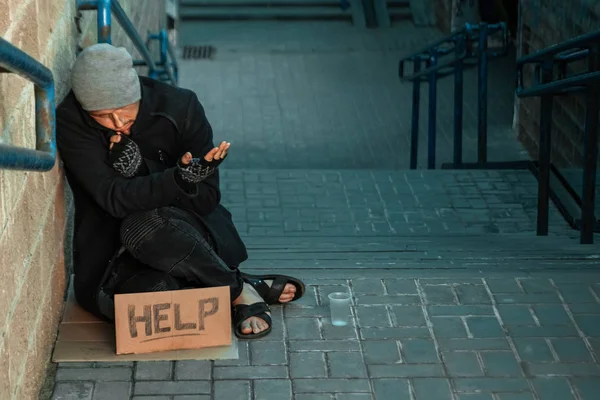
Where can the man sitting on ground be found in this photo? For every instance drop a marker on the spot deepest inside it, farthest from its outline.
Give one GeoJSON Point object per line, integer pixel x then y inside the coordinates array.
{"type": "Point", "coordinates": [139, 157]}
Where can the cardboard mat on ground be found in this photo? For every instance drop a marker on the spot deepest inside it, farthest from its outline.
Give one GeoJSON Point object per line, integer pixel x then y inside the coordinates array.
{"type": "Point", "coordinates": [147, 326]}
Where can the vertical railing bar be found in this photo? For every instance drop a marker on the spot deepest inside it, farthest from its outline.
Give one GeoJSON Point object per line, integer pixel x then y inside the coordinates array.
{"type": "Point", "coordinates": [482, 94]}
{"type": "Point", "coordinates": [414, 135]}
{"type": "Point", "coordinates": [103, 14]}
{"type": "Point", "coordinates": [588, 219]}
{"type": "Point", "coordinates": [544, 155]}
{"type": "Point", "coordinates": [458, 103]}
{"type": "Point", "coordinates": [432, 115]}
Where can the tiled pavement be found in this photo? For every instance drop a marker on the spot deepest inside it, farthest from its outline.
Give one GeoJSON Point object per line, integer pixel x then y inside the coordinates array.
{"type": "Point", "coordinates": [453, 295]}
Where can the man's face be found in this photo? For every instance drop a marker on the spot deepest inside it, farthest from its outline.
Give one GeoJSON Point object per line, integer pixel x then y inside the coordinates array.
{"type": "Point", "coordinates": [117, 119]}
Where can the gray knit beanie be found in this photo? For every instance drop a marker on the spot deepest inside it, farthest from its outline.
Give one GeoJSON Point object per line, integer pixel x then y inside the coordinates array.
{"type": "Point", "coordinates": [103, 77]}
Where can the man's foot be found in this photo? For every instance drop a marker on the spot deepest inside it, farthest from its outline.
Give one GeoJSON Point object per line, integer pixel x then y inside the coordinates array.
{"type": "Point", "coordinates": [253, 324]}
{"type": "Point", "coordinates": [288, 292]}
{"type": "Point", "coordinates": [276, 289]}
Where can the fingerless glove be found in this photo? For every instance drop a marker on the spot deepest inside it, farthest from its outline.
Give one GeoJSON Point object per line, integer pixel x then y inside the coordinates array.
{"type": "Point", "coordinates": [125, 157]}
{"type": "Point", "coordinates": [198, 169]}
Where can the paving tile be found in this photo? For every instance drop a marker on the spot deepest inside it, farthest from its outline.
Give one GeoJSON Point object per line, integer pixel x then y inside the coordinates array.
{"type": "Point", "coordinates": [462, 364]}
{"type": "Point", "coordinates": [381, 351]}
{"type": "Point", "coordinates": [472, 294]}
{"type": "Point", "coordinates": [571, 350]}
{"type": "Point", "coordinates": [252, 372]}
{"type": "Point", "coordinates": [267, 389]}
{"type": "Point", "coordinates": [331, 386]}
{"type": "Point", "coordinates": [589, 324]}
{"type": "Point", "coordinates": [192, 370]}
{"type": "Point", "coordinates": [587, 388]}
{"type": "Point", "coordinates": [549, 315]}
{"type": "Point", "coordinates": [419, 351]}
{"type": "Point", "coordinates": [533, 349]}
{"type": "Point", "coordinates": [501, 364]}
{"type": "Point", "coordinates": [484, 327]}
{"type": "Point", "coordinates": [268, 353]}
{"type": "Point", "coordinates": [391, 389]}
{"type": "Point", "coordinates": [234, 389]}
{"type": "Point", "coordinates": [516, 315]}
{"type": "Point", "coordinates": [73, 391]}
{"type": "Point", "coordinates": [324, 345]}
{"type": "Point", "coordinates": [368, 286]}
{"type": "Point", "coordinates": [448, 327]}
{"type": "Point", "coordinates": [111, 390]}
{"type": "Point", "coordinates": [93, 374]}
{"type": "Point", "coordinates": [515, 396]}
{"type": "Point", "coordinates": [432, 389]}
{"type": "Point", "coordinates": [152, 388]}
{"type": "Point", "coordinates": [153, 370]}
{"type": "Point", "coordinates": [346, 365]}
{"type": "Point", "coordinates": [490, 384]}
{"type": "Point", "coordinates": [400, 286]}
{"type": "Point", "coordinates": [377, 316]}
{"type": "Point", "coordinates": [549, 388]}
{"type": "Point", "coordinates": [405, 370]}
{"type": "Point", "coordinates": [308, 365]}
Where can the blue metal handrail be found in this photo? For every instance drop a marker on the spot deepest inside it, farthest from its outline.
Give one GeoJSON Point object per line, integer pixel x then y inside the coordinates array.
{"type": "Point", "coordinates": [43, 157]}
{"type": "Point", "coordinates": [460, 45]}
{"type": "Point", "coordinates": [546, 84]}
{"type": "Point", "coordinates": [105, 8]}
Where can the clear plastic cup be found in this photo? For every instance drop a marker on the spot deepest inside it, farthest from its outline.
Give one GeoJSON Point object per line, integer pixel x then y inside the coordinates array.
{"type": "Point", "coordinates": [339, 307]}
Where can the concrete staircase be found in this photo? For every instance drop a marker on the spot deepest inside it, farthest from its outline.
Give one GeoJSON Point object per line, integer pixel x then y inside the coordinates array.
{"type": "Point", "coordinates": [301, 10]}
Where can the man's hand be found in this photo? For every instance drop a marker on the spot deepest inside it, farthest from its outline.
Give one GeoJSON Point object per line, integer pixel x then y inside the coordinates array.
{"type": "Point", "coordinates": [195, 170]}
{"type": "Point", "coordinates": [218, 153]}
{"type": "Point", "coordinates": [124, 156]}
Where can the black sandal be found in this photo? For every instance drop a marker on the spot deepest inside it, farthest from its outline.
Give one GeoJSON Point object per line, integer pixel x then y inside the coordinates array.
{"type": "Point", "coordinates": [271, 294]}
{"type": "Point", "coordinates": [242, 312]}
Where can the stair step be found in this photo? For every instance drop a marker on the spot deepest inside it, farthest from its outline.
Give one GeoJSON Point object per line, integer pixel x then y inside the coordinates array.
{"type": "Point", "coordinates": [289, 13]}
{"type": "Point", "coordinates": [259, 3]}
{"type": "Point", "coordinates": [399, 14]}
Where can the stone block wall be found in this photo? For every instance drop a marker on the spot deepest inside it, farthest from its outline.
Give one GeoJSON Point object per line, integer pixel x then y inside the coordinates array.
{"type": "Point", "coordinates": [543, 23]}
{"type": "Point", "coordinates": [35, 206]}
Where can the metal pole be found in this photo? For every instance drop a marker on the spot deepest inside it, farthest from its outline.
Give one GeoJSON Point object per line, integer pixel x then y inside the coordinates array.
{"type": "Point", "coordinates": [104, 21]}
{"type": "Point", "coordinates": [458, 102]}
{"type": "Point", "coordinates": [43, 158]}
{"type": "Point", "coordinates": [544, 153]}
{"type": "Point", "coordinates": [432, 112]}
{"type": "Point", "coordinates": [414, 134]}
{"type": "Point", "coordinates": [588, 219]}
{"type": "Point", "coordinates": [482, 94]}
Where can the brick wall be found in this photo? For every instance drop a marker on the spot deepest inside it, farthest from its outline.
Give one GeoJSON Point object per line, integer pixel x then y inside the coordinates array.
{"type": "Point", "coordinates": [546, 22]}
{"type": "Point", "coordinates": [34, 206]}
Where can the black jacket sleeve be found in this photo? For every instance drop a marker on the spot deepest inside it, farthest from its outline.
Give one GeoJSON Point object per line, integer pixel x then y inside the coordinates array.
{"type": "Point", "coordinates": [197, 138]}
{"type": "Point", "coordinates": [85, 155]}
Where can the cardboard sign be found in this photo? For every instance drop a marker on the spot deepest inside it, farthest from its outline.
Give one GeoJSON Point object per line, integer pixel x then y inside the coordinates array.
{"type": "Point", "coordinates": [178, 319]}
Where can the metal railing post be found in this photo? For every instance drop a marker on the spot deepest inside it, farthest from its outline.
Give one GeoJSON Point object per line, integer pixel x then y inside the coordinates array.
{"type": "Point", "coordinates": [414, 133]}
{"type": "Point", "coordinates": [43, 157]}
{"type": "Point", "coordinates": [544, 150]}
{"type": "Point", "coordinates": [432, 114]}
{"type": "Point", "coordinates": [104, 21]}
{"type": "Point", "coordinates": [482, 64]}
{"type": "Point", "coordinates": [458, 103]}
{"type": "Point", "coordinates": [588, 218]}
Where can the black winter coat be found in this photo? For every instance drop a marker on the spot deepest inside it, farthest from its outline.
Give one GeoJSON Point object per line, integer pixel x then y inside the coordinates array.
{"type": "Point", "coordinates": [171, 121]}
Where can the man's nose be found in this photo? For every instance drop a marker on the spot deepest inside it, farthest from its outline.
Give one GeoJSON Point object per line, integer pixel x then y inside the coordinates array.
{"type": "Point", "coordinates": [117, 121]}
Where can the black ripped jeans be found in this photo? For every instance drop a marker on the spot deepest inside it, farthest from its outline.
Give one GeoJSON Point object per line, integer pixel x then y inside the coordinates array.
{"type": "Point", "coordinates": [166, 249]}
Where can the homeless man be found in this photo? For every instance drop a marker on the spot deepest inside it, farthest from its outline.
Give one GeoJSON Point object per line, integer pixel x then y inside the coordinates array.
{"type": "Point", "coordinates": [139, 157]}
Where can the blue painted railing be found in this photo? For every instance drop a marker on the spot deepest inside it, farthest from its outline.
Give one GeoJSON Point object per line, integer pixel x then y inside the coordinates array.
{"type": "Point", "coordinates": [459, 46]}
{"type": "Point", "coordinates": [166, 69]}
{"type": "Point", "coordinates": [43, 157]}
{"type": "Point", "coordinates": [551, 77]}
